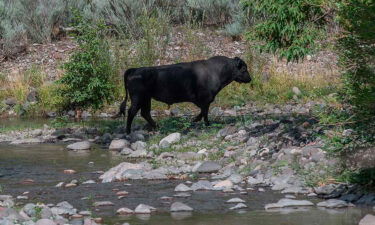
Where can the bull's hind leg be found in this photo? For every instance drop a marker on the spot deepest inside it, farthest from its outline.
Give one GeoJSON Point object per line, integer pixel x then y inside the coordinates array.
{"type": "Point", "coordinates": [145, 113]}
{"type": "Point", "coordinates": [198, 118]}
{"type": "Point", "coordinates": [135, 106]}
{"type": "Point", "coordinates": [205, 114]}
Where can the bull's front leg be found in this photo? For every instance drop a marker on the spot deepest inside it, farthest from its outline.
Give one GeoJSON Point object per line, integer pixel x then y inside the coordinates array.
{"type": "Point", "coordinates": [205, 109]}
{"type": "Point", "coordinates": [135, 106]}
{"type": "Point", "coordinates": [198, 118]}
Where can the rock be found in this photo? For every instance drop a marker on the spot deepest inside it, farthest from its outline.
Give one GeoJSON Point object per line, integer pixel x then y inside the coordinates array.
{"type": "Point", "coordinates": [124, 211]}
{"type": "Point", "coordinates": [367, 220]}
{"type": "Point", "coordinates": [51, 114]}
{"type": "Point", "coordinates": [10, 102]}
{"type": "Point", "coordinates": [46, 213]}
{"type": "Point", "coordinates": [118, 144]}
{"type": "Point", "coordinates": [45, 222]}
{"type": "Point", "coordinates": [180, 207]}
{"type": "Point", "coordinates": [169, 140]}
{"type": "Point", "coordinates": [229, 130]}
{"type": "Point", "coordinates": [29, 209]}
{"type": "Point", "coordinates": [144, 209]}
{"type": "Point", "coordinates": [82, 145]}
{"type": "Point", "coordinates": [223, 185]}
{"type": "Point", "coordinates": [235, 200]}
{"type": "Point", "coordinates": [27, 141]}
{"type": "Point", "coordinates": [89, 182]}
{"type": "Point", "coordinates": [32, 96]}
{"type": "Point", "coordinates": [255, 181]}
{"type": "Point", "coordinates": [217, 111]}
{"type": "Point", "coordinates": [202, 185]}
{"type": "Point", "coordinates": [105, 139]}
{"type": "Point", "coordinates": [294, 190]}
{"type": "Point", "coordinates": [65, 204]}
{"type": "Point", "coordinates": [155, 175]}
{"type": "Point", "coordinates": [126, 151]}
{"type": "Point", "coordinates": [238, 206]}
{"type": "Point", "coordinates": [141, 153]}
{"type": "Point", "coordinates": [139, 145]}
{"type": "Point", "coordinates": [296, 91]}
{"type": "Point", "coordinates": [288, 203]}
{"type": "Point", "coordinates": [125, 171]}
{"type": "Point", "coordinates": [326, 189]}
{"type": "Point", "coordinates": [69, 171]}
{"type": "Point", "coordinates": [182, 188]}
{"type": "Point", "coordinates": [182, 195]}
{"type": "Point", "coordinates": [103, 203]}
{"type": "Point", "coordinates": [206, 167]}
{"type": "Point", "coordinates": [333, 203]}
{"type": "Point", "coordinates": [235, 178]}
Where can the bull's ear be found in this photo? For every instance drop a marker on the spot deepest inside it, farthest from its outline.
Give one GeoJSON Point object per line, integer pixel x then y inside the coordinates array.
{"type": "Point", "coordinates": [238, 62]}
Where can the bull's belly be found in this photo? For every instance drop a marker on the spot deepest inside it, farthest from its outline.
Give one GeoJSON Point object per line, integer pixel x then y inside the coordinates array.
{"type": "Point", "coordinates": [172, 98]}
{"type": "Point", "coordinates": [171, 101]}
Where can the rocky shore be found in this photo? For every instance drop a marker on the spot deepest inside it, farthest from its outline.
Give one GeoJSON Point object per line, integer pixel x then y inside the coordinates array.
{"type": "Point", "coordinates": [247, 149]}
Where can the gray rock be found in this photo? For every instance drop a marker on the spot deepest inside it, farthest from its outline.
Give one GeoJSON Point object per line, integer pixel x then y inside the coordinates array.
{"type": "Point", "coordinates": [155, 175]}
{"type": "Point", "coordinates": [32, 96]}
{"type": "Point", "coordinates": [326, 189]}
{"type": "Point", "coordinates": [118, 144]}
{"type": "Point", "coordinates": [46, 213]}
{"type": "Point", "coordinates": [45, 222]}
{"type": "Point", "coordinates": [139, 145]}
{"type": "Point", "coordinates": [288, 203]}
{"type": "Point", "coordinates": [235, 200]}
{"type": "Point", "coordinates": [144, 209]}
{"type": "Point", "coordinates": [82, 145]}
{"type": "Point", "coordinates": [180, 207]}
{"type": "Point", "coordinates": [202, 185]}
{"type": "Point", "coordinates": [182, 195]}
{"type": "Point", "coordinates": [229, 130]}
{"type": "Point", "coordinates": [5, 197]}
{"type": "Point", "coordinates": [121, 171]}
{"type": "Point", "coordinates": [206, 167]}
{"type": "Point", "coordinates": [333, 203]}
{"type": "Point", "coordinates": [238, 206]}
{"type": "Point", "coordinates": [126, 151]}
{"type": "Point", "coordinates": [235, 178]}
{"type": "Point", "coordinates": [10, 102]}
{"type": "Point", "coordinates": [51, 114]}
{"type": "Point", "coordinates": [296, 91]}
{"type": "Point", "coordinates": [140, 153]}
{"type": "Point", "coordinates": [29, 209]}
{"type": "Point", "coordinates": [367, 220]}
{"type": "Point", "coordinates": [294, 190]}
{"type": "Point", "coordinates": [169, 140]}
{"type": "Point", "coordinates": [182, 188]}
{"type": "Point", "coordinates": [255, 181]}
{"type": "Point", "coordinates": [124, 211]}
{"type": "Point", "coordinates": [103, 203]}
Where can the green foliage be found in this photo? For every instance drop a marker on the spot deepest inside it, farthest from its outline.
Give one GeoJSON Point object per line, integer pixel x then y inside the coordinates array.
{"type": "Point", "coordinates": [174, 124]}
{"type": "Point", "coordinates": [357, 54]}
{"type": "Point", "coordinates": [89, 78]}
{"type": "Point", "coordinates": [287, 28]}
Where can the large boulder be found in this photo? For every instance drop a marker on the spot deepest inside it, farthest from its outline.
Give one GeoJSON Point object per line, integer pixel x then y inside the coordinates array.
{"type": "Point", "coordinates": [169, 140]}
{"type": "Point", "coordinates": [367, 220]}
{"type": "Point", "coordinates": [125, 170]}
{"type": "Point", "coordinates": [333, 203]}
{"type": "Point", "coordinates": [82, 145]}
{"type": "Point", "coordinates": [206, 167]}
{"type": "Point", "coordinates": [118, 144]}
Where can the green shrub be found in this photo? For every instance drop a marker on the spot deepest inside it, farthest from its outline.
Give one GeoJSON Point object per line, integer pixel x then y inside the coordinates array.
{"type": "Point", "coordinates": [89, 79]}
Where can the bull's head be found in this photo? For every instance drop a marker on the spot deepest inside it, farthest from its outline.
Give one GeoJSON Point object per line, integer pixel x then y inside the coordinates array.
{"type": "Point", "coordinates": [240, 72]}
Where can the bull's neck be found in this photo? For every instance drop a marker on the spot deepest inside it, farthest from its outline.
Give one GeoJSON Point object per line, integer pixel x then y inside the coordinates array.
{"type": "Point", "coordinates": [226, 77]}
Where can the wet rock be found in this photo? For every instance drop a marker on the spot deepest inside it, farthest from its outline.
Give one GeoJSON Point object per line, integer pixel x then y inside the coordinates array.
{"type": "Point", "coordinates": [139, 145]}
{"type": "Point", "coordinates": [144, 209]}
{"type": "Point", "coordinates": [27, 141]}
{"type": "Point", "coordinates": [124, 211]}
{"type": "Point", "coordinates": [206, 167]}
{"type": "Point", "coordinates": [118, 144]}
{"type": "Point", "coordinates": [124, 170]}
{"type": "Point", "coordinates": [333, 203]}
{"type": "Point", "coordinates": [202, 185]}
{"type": "Point", "coordinates": [182, 195]}
{"type": "Point", "coordinates": [169, 140]}
{"type": "Point", "coordinates": [45, 222]}
{"type": "Point", "coordinates": [82, 145]}
{"type": "Point", "coordinates": [182, 188]}
{"type": "Point", "coordinates": [368, 199]}
{"type": "Point", "coordinates": [103, 203]}
{"type": "Point", "coordinates": [367, 220]}
{"type": "Point", "coordinates": [238, 206]}
{"type": "Point", "coordinates": [288, 203]}
{"type": "Point", "coordinates": [235, 200]}
{"type": "Point", "coordinates": [180, 207]}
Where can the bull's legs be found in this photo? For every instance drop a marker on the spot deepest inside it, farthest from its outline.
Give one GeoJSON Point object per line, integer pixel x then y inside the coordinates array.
{"type": "Point", "coordinates": [205, 114]}
{"type": "Point", "coordinates": [198, 118]}
{"type": "Point", "coordinates": [135, 106]}
{"type": "Point", "coordinates": [145, 113]}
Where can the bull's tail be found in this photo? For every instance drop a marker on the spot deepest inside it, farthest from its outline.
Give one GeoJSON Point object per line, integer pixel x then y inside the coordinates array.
{"type": "Point", "coordinates": [122, 111]}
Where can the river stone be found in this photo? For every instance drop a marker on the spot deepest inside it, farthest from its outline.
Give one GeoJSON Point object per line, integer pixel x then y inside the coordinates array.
{"type": "Point", "coordinates": [103, 203]}
{"type": "Point", "coordinates": [29, 209]}
{"type": "Point", "coordinates": [117, 172]}
{"type": "Point", "coordinates": [333, 203]}
{"type": "Point", "coordinates": [46, 213]}
{"type": "Point", "coordinates": [367, 220]}
{"type": "Point", "coordinates": [255, 181]}
{"type": "Point", "coordinates": [118, 144]}
{"type": "Point", "coordinates": [140, 153]}
{"type": "Point", "coordinates": [139, 145]}
{"type": "Point", "coordinates": [238, 206]}
{"type": "Point", "coordinates": [82, 145]}
{"type": "Point", "coordinates": [124, 211]}
{"type": "Point", "coordinates": [180, 207]}
{"type": "Point", "coordinates": [223, 185]}
{"type": "Point", "coordinates": [288, 203]}
{"type": "Point", "coordinates": [182, 188]}
{"type": "Point", "coordinates": [155, 175]}
{"type": "Point", "coordinates": [182, 195]}
{"type": "Point", "coordinates": [5, 197]}
{"type": "Point", "coordinates": [326, 189]}
{"type": "Point", "coordinates": [169, 140]}
{"type": "Point", "coordinates": [235, 200]}
{"type": "Point", "coordinates": [144, 209]}
{"type": "Point", "coordinates": [126, 151]}
{"type": "Point", "coordinates": [202, 185]}
{"type": "Point", "coordinates": [12, 214]}
{"type": "Point", "coordinates": [45, 222]}
{"type": "Point", "coordinates": [294, 190]}
{"type": "Point", "coordinates": [206, 167]}
{"type": "Point", "coordinates": [235, 178]}
{"type": "Point", "coordinates": [27, 141]}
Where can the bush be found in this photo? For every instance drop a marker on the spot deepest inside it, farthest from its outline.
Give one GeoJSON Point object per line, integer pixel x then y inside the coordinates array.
{"type": "Point", "coordinates": [89, 79]}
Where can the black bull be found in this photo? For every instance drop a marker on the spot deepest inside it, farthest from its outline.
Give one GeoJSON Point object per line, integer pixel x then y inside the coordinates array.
{"type": "Point", "coordinates": [197, 82]}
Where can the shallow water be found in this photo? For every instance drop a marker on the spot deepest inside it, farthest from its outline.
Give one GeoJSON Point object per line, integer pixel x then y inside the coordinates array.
{"type": "Point", "coordinates": [44, 164]}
